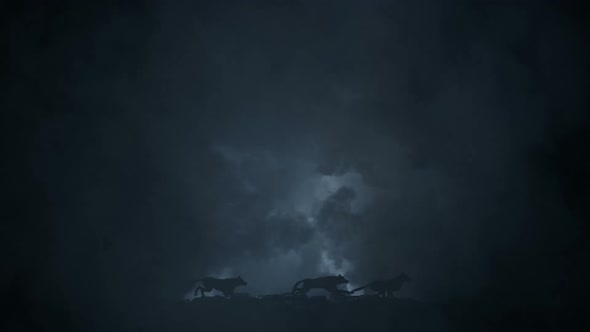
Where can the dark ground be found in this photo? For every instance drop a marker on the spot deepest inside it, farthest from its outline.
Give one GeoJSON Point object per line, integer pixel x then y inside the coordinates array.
{"type": "Point", "coordinates": [356, 314]}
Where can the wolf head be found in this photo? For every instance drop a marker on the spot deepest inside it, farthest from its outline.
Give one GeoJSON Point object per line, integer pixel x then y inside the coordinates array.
{"type": "Point", "coordinates": [341, 279]}
{"type": "Point", "coordinates": [240, 281]}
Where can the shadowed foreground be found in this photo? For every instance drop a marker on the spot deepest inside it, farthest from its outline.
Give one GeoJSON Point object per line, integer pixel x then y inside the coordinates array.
{"type": "Point", "coordinates": [300, 314]}
{"type": "Point", "coordinates": [343, 314]}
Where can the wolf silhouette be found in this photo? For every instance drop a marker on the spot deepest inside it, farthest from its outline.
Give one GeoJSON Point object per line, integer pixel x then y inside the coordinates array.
{"type": "Point", "coordinates": [386, 288]}
{"type": "Point", "coordinates": [329, 283]}
{"type": "Point", "coordinates": [226, 286]}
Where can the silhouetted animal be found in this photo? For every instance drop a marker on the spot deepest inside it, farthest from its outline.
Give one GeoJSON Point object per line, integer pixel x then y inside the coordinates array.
{"type": "Point", "coordinates": [386, 288]}
{"type": "Point", "coordinates": [329, 283]}
{"type": "Point", "coordinates": [226, 286]}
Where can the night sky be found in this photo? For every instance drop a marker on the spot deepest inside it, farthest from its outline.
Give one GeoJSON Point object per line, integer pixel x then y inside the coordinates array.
{"type": "Point", "coordinates": [146, 144]}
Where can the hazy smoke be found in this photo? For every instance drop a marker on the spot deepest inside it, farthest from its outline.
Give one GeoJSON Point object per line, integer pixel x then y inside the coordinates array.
{"type": "Point", "coordinates": [283, 141]}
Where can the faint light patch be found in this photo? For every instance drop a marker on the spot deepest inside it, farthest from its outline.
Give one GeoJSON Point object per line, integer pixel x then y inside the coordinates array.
{"type": "Point", "coordinates": [326, 185]}
{"type": "Point", "coordinates": [272, 275]}
{"type": "Point", "coordinates": [351, 179]}
{"type": "Point", "coordinates": [309, 194]}
{"type": "Point", "coordinates": [328, 265]}
{"type": "Point", "coordinates": [310, 188]}
{"type": "Point", "coordinates": [305, 192]}
{"type": "Point", "coordinates": [230, 154]}
{"type": "Point", "coordinates": [236, 158]}
{"type": "Point", "coordinates": [249, 187]}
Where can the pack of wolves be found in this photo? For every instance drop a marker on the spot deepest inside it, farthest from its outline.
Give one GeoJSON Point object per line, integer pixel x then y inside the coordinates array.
{"type": "Point", "coordinates": [383, 288]}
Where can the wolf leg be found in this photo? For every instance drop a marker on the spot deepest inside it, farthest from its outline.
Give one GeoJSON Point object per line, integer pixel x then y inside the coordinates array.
{"type": "Point", "coordinates": [229, 293]}
{"type": "Point", "coordinates": [203, 290]}
{"type": "Point", "coordinates": [197, 291]}
{"type": "Point", "coordinates": [301, 291]}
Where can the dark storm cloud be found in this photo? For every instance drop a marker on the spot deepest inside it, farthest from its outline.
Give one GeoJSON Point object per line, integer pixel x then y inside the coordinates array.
{"type": "Point", "coordinates": [282, 141]}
